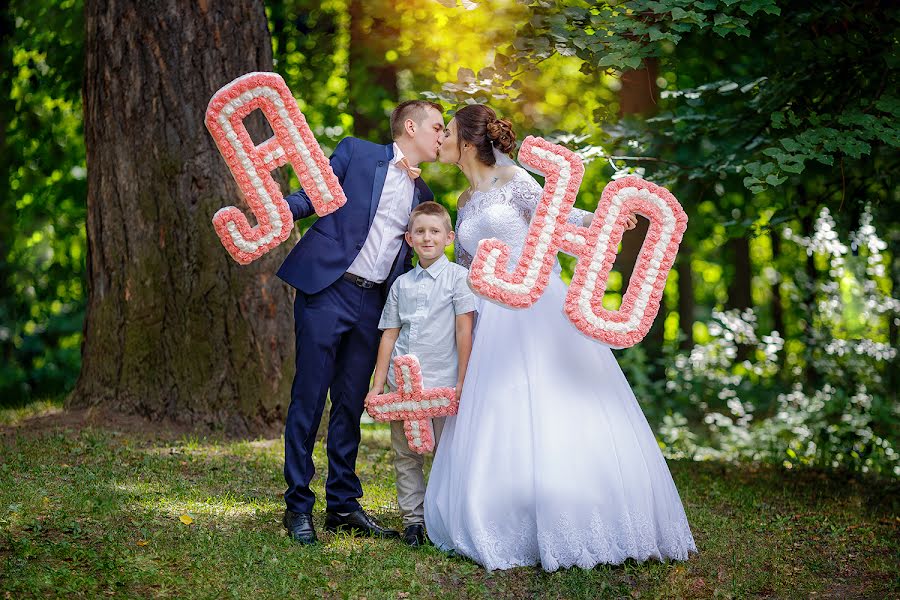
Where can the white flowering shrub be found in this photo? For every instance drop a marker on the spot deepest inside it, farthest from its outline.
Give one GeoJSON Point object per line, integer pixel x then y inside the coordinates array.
{"type": "Point", "coordinates": [829, 406]}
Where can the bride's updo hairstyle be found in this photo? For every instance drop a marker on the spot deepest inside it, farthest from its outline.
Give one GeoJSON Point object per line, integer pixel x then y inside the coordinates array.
{"type": "Point", "coordinates": [479, 125]}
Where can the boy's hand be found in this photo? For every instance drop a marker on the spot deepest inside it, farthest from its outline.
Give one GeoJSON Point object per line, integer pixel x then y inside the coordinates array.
{"type": "Point", "coordinates": [375, 391]}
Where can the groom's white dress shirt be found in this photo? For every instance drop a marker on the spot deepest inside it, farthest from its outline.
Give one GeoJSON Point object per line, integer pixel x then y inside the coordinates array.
{"type": "Point", "coordinates": [386, 233]}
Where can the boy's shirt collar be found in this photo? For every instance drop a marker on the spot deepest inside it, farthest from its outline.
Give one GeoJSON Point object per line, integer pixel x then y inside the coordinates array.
{"type": "Point", "coordinates": [435, 269]}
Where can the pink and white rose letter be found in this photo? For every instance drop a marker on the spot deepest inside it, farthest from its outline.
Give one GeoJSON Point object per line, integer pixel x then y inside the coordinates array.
{"type": "Point", "coordinates": [252, 165]}
{"type": "Point", "coordinates": [594, 246]}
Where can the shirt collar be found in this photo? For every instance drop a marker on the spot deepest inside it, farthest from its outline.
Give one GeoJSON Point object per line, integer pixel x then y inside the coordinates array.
{"type": "Point", "coordinates": [398, 154]}
{"type": "Point", "coordinates": [435, 269]}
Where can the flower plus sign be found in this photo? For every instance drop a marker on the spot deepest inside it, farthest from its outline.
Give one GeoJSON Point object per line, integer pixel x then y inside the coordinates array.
{"type": "Point", "coordinates": [413, 404]}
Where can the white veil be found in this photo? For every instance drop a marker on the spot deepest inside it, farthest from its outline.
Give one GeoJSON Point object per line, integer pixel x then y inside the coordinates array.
{"type": "Point", "coordinates": [503, 160]}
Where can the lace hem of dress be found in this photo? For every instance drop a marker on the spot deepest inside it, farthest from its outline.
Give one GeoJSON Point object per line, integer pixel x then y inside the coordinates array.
{"type": "Point", "coordinates": [566, 544]}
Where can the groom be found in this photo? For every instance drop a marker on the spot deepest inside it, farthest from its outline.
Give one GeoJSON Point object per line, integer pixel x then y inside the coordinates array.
{"type": "Point", "coordinates": [342, 268]}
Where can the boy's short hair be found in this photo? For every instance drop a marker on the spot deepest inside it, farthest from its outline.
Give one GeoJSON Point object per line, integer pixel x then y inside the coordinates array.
{"type": "Point", "coordinates": [411, 109]}
{"type": "Point", "coordinates": [430, 208]}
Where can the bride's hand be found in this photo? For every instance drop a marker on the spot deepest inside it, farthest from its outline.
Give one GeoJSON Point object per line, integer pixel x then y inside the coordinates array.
{"type": "Point", "coordinates": [630, 223]}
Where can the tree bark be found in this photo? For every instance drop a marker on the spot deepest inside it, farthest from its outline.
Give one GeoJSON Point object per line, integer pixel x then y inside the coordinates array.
{"type": "Point", "coordinates": [740, 295]}
{"type": "Point", "coordinates": [740, 287]}
{"type": "Point", "coordinates": [685, 296]}
{"type": "Point", "coordinates": [640, 94]}
{"type": "Point", "coordinates": [777, 302]}
{"type": "Point", "coordinates": [809, 305]}
{"type": "Point", "coordinates": [174, 327]}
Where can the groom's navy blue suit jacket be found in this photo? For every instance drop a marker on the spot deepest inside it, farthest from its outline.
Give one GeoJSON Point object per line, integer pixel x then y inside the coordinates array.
{"type": "Point", "coordinates": [328, 248]}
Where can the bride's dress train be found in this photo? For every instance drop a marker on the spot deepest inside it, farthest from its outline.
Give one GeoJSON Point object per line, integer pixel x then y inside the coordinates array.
{"type": "Point", "coordinates": [550, 459]}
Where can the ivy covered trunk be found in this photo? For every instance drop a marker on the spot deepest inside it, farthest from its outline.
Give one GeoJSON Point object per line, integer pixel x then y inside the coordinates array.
{"type": "Point", "coordinates": [174, 327]}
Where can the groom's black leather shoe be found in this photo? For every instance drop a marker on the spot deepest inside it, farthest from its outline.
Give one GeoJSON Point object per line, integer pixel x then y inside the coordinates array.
{"type": "Point", "coordinates": [414, 535]}
{"type": "Point", "coordinates": [299, 526]}
{"type": "Point", "coordinates": [358, 522]}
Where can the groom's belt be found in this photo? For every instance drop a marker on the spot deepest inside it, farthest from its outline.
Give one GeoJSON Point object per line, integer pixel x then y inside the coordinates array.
{"type": "Point", "coordinates": [360, 281]}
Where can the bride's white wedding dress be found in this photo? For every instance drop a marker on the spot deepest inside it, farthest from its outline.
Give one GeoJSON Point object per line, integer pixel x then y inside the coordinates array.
{"type": "Point", "coordinates": [550, 459]}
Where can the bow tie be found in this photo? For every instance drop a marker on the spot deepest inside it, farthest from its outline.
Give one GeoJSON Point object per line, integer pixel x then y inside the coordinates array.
{"type": "Point", "coordinates": [413, 172]}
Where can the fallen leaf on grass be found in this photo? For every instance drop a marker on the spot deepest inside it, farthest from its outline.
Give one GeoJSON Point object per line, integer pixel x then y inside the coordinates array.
{"type": "Point", "coordinates": [142, 542]}
{"type": "Point", "coordinates": [186, 519]}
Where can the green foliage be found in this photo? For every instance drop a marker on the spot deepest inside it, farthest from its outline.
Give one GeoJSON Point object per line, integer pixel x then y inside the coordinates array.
{"type": "Point", "coordinates": [831, 404]}
{"type": "Point", "coordinates": [766, 112]}
{"type": "Point", "coordinates": [752, 90]}
{"type": "Point", "coordinates": [43, 263]}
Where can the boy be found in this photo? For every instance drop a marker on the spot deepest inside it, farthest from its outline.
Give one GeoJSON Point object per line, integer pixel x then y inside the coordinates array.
{"type": "Point", "coordinates": [429, 313]}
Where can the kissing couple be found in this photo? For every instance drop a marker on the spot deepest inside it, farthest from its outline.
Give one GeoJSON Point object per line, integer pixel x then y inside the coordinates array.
{"type": "Point", "coordinates": [549, 460]}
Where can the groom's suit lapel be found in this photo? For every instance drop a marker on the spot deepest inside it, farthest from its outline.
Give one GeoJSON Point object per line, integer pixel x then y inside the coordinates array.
{"type": "Point", "coordinates": [381, 169]}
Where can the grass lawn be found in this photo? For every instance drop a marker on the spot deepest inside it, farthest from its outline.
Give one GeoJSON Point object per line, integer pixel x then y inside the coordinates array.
{"type": "Point", "coordinates": [94, 506]}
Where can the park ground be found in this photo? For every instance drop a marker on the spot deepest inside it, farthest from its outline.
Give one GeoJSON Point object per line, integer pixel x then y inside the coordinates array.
{"type": "Point", "coordinates": [95, 504]}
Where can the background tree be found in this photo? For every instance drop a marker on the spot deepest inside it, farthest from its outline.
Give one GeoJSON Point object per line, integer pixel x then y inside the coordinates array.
{"type": "Point", "coordinates": [174, 327]}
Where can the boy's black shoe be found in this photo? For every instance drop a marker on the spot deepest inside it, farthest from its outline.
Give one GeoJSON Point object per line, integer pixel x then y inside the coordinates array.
{"type": "Point", "coordinates": [414, 535]}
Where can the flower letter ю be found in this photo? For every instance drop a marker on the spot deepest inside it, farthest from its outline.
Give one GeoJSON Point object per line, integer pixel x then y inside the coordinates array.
{"type": "Point", "coordinates": [594, 246]}
{"type": "Point", "coordinates": [413, 404]}
{"type": "Point", "coordinates": [252, 165]}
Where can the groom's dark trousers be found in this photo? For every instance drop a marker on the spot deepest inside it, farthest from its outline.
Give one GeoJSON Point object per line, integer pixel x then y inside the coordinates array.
{"type": "Point", "coordinates": [336, 326]}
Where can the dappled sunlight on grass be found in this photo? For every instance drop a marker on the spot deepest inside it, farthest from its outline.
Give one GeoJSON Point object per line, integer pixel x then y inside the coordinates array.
{"type": "Point", "coordinates": [40, 408]}
{"type": "Point", "coordinates": [85, 512]}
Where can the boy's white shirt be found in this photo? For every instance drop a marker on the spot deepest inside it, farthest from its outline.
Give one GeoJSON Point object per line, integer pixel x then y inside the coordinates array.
{"type": "Point", "coordinates": [424, 304]}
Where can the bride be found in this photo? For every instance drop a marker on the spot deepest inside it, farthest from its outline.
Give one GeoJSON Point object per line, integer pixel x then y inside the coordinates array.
{"type": "Point", "coordinates": [550, 459]}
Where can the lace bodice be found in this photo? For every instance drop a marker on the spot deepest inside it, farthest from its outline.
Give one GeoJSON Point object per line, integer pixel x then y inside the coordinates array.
{"type": "Point", "coordinates": [503, 213]}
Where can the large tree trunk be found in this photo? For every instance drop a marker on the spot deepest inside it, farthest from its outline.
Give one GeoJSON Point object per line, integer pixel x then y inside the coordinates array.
{"type": "Point", "coordinates": [777, 301]}
{"type": "Point", "coordinates": [174, 327]}
{"type": "Point", "coordinates": [809, 305]}
{"type": "Point", "coordinates": [740, 290]}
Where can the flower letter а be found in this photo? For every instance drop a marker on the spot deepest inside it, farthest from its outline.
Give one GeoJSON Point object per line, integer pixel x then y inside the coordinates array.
{"type": "Point", "coordinates": [252, 165]}
{"type": "Point", "coordinates": [595, 248]}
